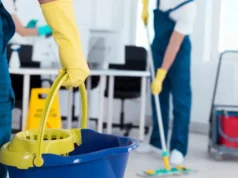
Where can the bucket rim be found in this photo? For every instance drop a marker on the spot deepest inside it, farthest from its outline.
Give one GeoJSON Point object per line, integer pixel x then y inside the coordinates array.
{"type": "Point", "coordinates": [51, 160]}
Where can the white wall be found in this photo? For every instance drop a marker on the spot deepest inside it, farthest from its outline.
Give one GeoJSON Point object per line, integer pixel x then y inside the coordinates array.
{"type": "Point", "coordinates": [204, 58]}
{"type": "Point", "coordinates": [203, 67]}
{"type": "Point", "coordinates": [228, 35]}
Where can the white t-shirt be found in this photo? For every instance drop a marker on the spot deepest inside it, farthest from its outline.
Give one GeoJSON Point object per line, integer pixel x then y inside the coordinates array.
{"type": "Point", "coordinates": [9, 5]}
{"type": "Point", "coordinates": [184, 16]}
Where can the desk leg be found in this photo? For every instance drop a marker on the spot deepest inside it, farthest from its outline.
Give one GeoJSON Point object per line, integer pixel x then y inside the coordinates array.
{"type": "Point", "coordinates": [101, 103]}
{"type": "Point", "coordinates": [110, 104]}
{"type": "Point", "coordinates": [89, 86]}
{"type": "Point", "coordinates": [70, 107]}
{"type": "Point", "coordinates": [143, 108]}
{"type": "Point", "coordinates": [25, 101]}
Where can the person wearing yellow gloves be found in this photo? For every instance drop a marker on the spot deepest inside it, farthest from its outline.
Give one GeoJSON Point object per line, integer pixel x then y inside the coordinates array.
{"type": "Point", "coordinates": [59, 15]}
{"type": "Point", "coordinates": [171, 48]}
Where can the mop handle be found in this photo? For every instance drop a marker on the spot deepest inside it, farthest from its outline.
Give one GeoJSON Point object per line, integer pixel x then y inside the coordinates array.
{"type": "Point", "coordinates": [157, 105]}
{"type": "Point", "coordinates": [49, 100]}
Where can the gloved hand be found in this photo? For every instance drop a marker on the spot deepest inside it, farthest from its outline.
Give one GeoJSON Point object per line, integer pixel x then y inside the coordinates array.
{"type": "Point", "coordinates": [44, 30]}
{"type": "Point", "coordinates": [32, 23]}
{"type": "Point", "coordinates": [60, 17]}
{"type": "Point", "coordinates": [145, 12]}
{"type": "Point", "coordinates": [156, 86]}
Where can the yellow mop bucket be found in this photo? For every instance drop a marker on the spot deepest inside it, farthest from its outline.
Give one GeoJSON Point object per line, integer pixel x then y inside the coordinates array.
{"type": "Point", "coordinates": [63, 153]}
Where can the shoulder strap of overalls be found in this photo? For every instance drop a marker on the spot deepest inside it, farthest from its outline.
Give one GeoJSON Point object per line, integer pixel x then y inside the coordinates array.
{"type": "Point", "coordinates": [158, 4]}
{"type": "Point", "coordinates": [180, 5]}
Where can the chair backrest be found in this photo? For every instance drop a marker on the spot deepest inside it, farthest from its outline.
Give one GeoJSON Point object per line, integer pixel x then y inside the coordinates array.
{"type": "Point", "coordinates": [25, 55]}
{"type": "Point", "coordinates": [135, 60]}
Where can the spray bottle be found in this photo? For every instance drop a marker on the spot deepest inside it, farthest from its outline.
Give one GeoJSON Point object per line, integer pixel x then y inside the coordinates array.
{"type": "Point", "coordinates": [15, 60]}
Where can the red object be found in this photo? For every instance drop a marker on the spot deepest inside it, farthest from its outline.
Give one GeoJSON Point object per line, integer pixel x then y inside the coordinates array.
{"type": "Point", "coordinates": [229, 126]}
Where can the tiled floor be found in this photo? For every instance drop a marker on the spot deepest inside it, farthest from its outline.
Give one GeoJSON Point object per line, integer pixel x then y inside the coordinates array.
{"type": "Point", "coordinates": [197, 159]}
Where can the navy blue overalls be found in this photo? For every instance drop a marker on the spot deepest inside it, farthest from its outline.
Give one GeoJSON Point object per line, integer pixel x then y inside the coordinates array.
{"type": "Point", "coordinates": [7, 98]}
{"type": "Point", "coordinates": [177, 82]}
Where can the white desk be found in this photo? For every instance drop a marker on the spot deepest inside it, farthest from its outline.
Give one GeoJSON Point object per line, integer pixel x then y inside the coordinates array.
{"type": "Point", "coordinates": [103, 74]}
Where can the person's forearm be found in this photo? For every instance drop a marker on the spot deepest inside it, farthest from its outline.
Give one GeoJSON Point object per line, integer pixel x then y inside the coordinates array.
{"type": "Point", "coordinates": [45, 1]}
{"type": "Point", "coordinates": [27, 32]}
{"type": "Point", "coordinates": [172, 50]}
{"type": "Point", "coordinates": [21, 30]}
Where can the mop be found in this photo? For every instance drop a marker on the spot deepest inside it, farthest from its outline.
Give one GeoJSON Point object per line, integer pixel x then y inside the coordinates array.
{"type": "Point", "coordinates": [167, 170]}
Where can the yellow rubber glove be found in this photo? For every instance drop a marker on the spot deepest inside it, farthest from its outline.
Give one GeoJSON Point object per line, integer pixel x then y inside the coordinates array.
{"type": "Point", "coordinates": [145, 12]}
{"type": "Point", "coordinates": [156, 86]}
{"type": "Point", "coordinates": [61, 18]}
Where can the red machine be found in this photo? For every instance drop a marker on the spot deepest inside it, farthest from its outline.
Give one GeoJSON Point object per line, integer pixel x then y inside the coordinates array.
{"type": "Point", "coordinates": [229, 131]}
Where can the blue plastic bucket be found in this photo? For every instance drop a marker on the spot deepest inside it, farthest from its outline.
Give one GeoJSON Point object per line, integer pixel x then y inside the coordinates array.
{"type": "Point", "coordinates": [99, 156]}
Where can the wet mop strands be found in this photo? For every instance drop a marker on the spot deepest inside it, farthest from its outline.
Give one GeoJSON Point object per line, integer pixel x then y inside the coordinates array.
{"type": "Point", "coordinates": [179, 170]}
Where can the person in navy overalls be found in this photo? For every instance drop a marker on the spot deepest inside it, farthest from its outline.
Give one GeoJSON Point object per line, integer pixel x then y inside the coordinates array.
{"type": "Point", "coordinates": [7, 98]}
{"type": "Point", "coordinates": [171, 48]}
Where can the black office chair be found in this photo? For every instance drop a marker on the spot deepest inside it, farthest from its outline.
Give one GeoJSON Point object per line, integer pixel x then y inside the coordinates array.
{"type": "Point", "coordinates": [128, 87]}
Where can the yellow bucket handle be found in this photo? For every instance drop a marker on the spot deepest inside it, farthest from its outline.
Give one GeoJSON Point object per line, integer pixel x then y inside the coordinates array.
{"type": "Point", "coordinates": [38, 161]}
